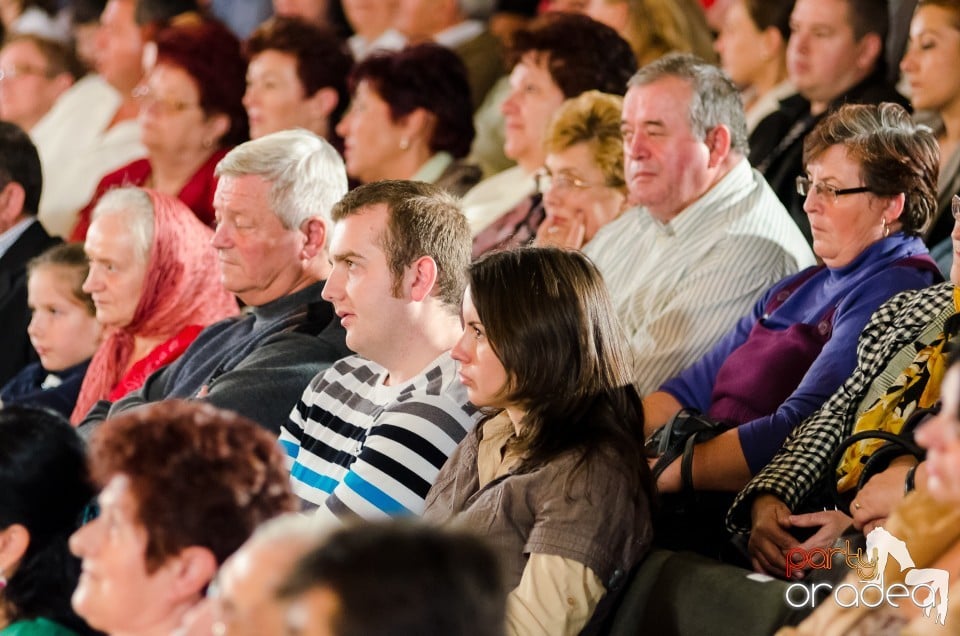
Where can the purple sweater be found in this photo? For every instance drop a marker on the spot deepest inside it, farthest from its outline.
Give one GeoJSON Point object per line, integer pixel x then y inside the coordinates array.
{"type": "Point", "coordinates": [855, 291]}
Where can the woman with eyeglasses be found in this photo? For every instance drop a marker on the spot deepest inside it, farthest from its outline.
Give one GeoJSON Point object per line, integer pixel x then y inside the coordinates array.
{"type": "Point", "coordinates": [901, 362]}
{"type": "Point", "coordinates": [43, 490]}
{"type": "Point", "coordinates": [582, 178]}
{"type": "Point", "coordinates": [191, 114]}
{"type": "Point", "coordinates": [870, 187]}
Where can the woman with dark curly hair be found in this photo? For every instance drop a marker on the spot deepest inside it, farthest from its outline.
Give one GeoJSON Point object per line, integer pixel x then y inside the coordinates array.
{"type": "Point", "coordinates": [410, 118]}
{"type": "Point", "coordinates": [560, 454]}
{"type": "Point", "coordinates": [184, 485]}
{"type": "Point", "coordinates": [43, 490]}
{"type": "Point", "coordinates": [191, 114]}
{"type": "Point", "coordinates": [297, 78]}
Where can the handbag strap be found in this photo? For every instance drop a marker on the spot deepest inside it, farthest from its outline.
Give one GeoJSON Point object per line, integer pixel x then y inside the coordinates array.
{"type": "Point", "coordinates": [893, 438]}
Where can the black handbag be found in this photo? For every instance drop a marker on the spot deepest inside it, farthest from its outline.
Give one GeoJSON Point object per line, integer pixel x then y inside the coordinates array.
{"type": "Point", "coordinates": [897, 445]}
{"type": "Point", "coordinates": [677, 438]}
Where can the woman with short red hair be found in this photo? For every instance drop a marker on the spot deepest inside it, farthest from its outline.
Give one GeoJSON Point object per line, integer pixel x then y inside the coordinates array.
{"type": "Point", "coordinates": [184, 485]}
{"type": "Point", "coordinates": [191, 114]}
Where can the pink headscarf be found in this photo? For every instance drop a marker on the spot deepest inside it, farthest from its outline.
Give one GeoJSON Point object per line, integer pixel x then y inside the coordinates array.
{"type": "Point", "coordinates": [181, 288]}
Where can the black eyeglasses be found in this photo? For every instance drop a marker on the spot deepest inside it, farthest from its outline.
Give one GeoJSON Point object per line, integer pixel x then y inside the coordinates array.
{"type": "Point", "coordinates": [825, 190]}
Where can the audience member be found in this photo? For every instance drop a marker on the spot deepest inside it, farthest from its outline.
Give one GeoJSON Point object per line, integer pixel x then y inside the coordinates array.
{"type": "Point", "coordinates": [273, 204]}
{"type": "Point", "coordinates": [384, 579]}
{"type": "Point", "coordinates": [34, 73]}
{"type": "Point", "coordinates": [297, 78]}
{"type": "Point", "coordinates": [558, 57]}
{"type": "Point", "coordinates": [935, 87]}
{"type": "Point", "coordinates": [184, 485]}
{"type": "Point", "coordinates": [372, 24]}
{"type": "Point", "coordinates": [870, 184]}
{"type": "Point", "coordinates": [21, 238]}
{"type": "Point", "coordinates": [63, 330]}
{"type": "Point", "coordinates": [153, 281]}
{"type": "Point", "coordinates": [581, 181]}
{"type": "Point", "coordinates": [191, 114]}
{"type": "Point", "coordinates": [656, 27]}
{"type": "Point", "coordinates": [44, 487]}
{"type": "Point", "coordinates": [369, 435]}
{"type": "Point", "coordinates": [707, 235]}
{"type": "Point", "coordinates": [459, 25]}
{"type": "Point", "coordinates": [834, 57]}
{"type": "Point", "coordinates": [562, 456]}
{"type": "Point", "coordinates": [244, 597]}
{"type": "Point", "coordinates": [927, 524]}
{"type": "Point", "coordinates": [901, 355]}
{"type": "Point", "coordinates": [92, 130]}
{"type": "Point", "coordinates": [410, 118]}
{"type": "Point", "coordinates": [753, 51]}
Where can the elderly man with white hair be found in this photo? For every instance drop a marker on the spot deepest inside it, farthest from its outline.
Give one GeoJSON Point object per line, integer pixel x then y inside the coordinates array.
{"type": "Point", "coordinates": [272, 206]}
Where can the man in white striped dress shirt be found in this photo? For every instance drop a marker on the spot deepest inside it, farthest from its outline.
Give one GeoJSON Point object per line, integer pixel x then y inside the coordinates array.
{"type": "Point", "coordinates": [707, 235]}
{"type": "Point", "coordinates": [369, 435]}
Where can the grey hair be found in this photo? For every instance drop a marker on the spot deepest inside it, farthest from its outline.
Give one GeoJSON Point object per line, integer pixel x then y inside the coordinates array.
{"type": "Point", "coordinates": [137, 208]}
{"type": "Point", "coordinates": [290, 527]}
{"type": "Point", "coordinates": [477, 9]}
{"type": "Point", "coordinates": [715, 98]}
{"type": "Point", "coordinates": [306, 174]}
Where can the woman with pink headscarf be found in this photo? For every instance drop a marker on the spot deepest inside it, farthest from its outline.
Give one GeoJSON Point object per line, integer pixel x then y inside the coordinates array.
{"type": "Point", "coordinates": [155, 283]}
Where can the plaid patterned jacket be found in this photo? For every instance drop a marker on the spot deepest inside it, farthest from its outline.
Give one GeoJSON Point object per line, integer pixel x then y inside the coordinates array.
{"type": "Point", "coordinates": [801, 465]}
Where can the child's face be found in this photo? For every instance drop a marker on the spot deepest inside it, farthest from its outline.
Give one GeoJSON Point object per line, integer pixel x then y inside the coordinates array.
{"type": "Point", "coordinates": [62, 329]}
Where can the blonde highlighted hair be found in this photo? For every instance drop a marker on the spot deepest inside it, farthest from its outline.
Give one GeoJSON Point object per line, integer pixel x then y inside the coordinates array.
{"type": "Point", "coordinates": [592, 118]}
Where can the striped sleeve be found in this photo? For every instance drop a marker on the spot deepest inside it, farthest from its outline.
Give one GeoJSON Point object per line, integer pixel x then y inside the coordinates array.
{"type": "Point", "coordinates": [399, 461]}
{"type": "Point", "coordinates": [352, 456]}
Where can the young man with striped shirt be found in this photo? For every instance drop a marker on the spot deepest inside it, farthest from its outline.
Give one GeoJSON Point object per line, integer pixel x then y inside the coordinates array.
{"type": "Point", "coordinates": [369, 435]}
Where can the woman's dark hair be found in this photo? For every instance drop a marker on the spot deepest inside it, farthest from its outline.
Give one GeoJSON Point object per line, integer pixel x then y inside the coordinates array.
{"type": "Point", "coordinates": [323, 59]}
{"type": "Point", "coordinates": [427, 76]}
{"type": "Point", "coordinates": [771, 13]}
{"type": "Point", "coordinates": [580, 53]}
{"type": "Point", "coordinates": [44, 488]}
{"type": "Point", "coordinates": [549, 319]}
{"type": "Point", "coordinates": [895, 155]}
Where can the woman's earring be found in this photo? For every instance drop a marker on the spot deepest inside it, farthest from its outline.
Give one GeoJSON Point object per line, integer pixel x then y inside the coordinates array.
{"type": "Point", "coordinates": [404, 143]}
{"type": "Point", "coordinates": [3, 579]}
{"type": "Point", "coordinates": [886, 228]}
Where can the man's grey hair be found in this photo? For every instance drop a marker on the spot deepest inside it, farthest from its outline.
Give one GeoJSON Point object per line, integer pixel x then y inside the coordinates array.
{"type": "Point", "coordinates": [137, 209]}
{"type": "Point", "coordinates": [290, 527]}
{"type": "Point", "coordinates": [477, 9]}
{"type": "Point", "coordinates": [306, 174]}
{"type": "Point", "coordinates": [715, 98]}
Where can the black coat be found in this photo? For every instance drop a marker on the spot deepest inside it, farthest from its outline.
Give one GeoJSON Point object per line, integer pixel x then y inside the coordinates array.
{"type": "Point", "coordinates": [16, 351]}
